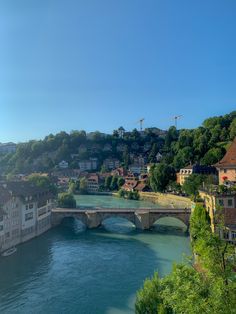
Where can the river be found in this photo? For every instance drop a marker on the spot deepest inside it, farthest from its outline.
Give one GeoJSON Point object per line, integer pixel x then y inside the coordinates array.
{"type": "Point", "coordinates": [72, 270]}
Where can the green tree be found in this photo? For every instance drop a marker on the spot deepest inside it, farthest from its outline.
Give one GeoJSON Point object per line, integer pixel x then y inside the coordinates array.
{"type": "Point", "coordinates": [192, 184]}
{"type": "Point", "coordinates": [212, 156]}
{"type": "Point", "coordinates": [114, 183]}
{"type": "Point", "coordinates": [160, 176]}
{"type": "Point", "coordinates": [232, 129]}
{"type": "Point", "coordinates": [120, 182]}
{"type": "Point", "coordinates": [83, 185]}
{"type": "Point", "coordinates": [153, 153]}
{"type": "Point", "coordinates": [108, 182]}
{"type": "Point", "coordinates": [43, 182]}
{"type": "Point", "coordinates": [149, 299]}
{"type": "Point", "coordinates": [66, 200]}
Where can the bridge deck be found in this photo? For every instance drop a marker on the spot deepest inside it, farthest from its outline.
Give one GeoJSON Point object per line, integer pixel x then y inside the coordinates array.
{"type": "Point", "coordinates": [122, 210]}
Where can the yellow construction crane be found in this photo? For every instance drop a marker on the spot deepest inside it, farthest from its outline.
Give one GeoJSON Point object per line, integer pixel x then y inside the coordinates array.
{"type": "Point", "coordinates": [141, 123]}
{"type": "Point", "coordinates": [176, 118]}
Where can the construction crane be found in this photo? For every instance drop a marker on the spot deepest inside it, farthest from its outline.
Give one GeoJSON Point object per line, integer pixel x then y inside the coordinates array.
{"type": "Point", "coordinates": [176, 118]}
{"type": "Point", "coordinates": [141, 123]}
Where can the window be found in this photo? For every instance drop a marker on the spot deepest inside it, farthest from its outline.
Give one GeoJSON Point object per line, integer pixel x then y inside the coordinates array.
{"type": "Point", "coordinates": [26, 207]}
{"type": "Point", "coordinates": [221, 202]}
{"type": "Point", "coordinates": [31, 206]}
{"type": "Point", "coordinates": [230, 202]}
{"type": "Point", "coordinates": [1, 227]}
{"type": "Point", "coordinates": [225, 170]}
{"type": "Point", "coordinates": [28, 216]}
{"type": "Point", "coordinates": [1, 218]}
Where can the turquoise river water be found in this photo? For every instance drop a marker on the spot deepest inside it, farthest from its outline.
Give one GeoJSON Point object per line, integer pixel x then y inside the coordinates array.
{"type": "Point", "coordinates": [107, 201]}
{"type": "Point", "coordinates": [72, 270]}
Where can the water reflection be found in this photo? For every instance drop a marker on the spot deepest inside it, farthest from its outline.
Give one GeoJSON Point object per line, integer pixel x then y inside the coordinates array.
{"type": "Point", "coordinates": [118, 225]}
{"type": "Point", "coordinates": [73, 225]}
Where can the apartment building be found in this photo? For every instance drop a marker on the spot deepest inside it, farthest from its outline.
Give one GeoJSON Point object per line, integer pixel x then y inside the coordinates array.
{"type": "Point", "coordinates": [88, 165]}
{"type": "Point", "coordinates": [25, 212]}
{"type": "Point", "coordinates": [111, 163]}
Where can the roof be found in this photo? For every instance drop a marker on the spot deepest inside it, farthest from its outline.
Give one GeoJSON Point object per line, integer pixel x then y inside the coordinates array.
{"type": "Point", "coordinates": [141, 186]}
{"type": "Point", "coordinates": [229, 159]}
{"type": "Point", "coordinates": [130, 185]}
{"type": "Point", "coordinates": [188, 167]}
{"type": "Point", "coordinates": [26, 188]}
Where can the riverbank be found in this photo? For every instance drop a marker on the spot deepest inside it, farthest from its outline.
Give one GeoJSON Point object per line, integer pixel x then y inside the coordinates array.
{"type": "Point", "coordinates": [166, 199]}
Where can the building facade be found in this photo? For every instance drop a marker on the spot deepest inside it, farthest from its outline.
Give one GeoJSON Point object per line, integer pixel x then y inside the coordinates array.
{"type": "Point", "coordinates": [88, 165]}
{"type": "Point", "coordinates": [221, 205]}
{"type": "Point", "coordinates": [227, 166]}
{"type": "Point", "coordinates": [25, 212]}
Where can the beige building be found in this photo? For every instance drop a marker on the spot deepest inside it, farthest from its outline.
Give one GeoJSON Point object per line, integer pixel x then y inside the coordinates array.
{"type": "Point", "coordinates": [184, 173]}
{"type": "Point", "coordinates": [227, 166]}
{"type": "Point", "coordinates": [93, 183]}
{"type": "Point", "coordinates": [226, 203]}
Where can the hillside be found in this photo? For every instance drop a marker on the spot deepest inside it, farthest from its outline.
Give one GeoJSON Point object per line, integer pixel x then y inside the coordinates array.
{"type": "Point", "coordinates": [205, 144]}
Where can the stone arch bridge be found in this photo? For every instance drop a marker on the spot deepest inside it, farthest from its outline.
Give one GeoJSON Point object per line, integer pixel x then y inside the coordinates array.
{"type": "Point", "coordinates": [142, 218]}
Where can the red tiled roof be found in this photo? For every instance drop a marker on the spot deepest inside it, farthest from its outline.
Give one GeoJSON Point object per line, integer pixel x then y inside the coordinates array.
{"type": "Point", "coordinates": [141, 186]}
{"type": "Point", "coordinates": [229, 159]}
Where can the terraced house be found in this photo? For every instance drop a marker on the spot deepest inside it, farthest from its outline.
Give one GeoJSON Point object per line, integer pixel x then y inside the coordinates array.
{"type": "Point", "coordinates": [25, 212]}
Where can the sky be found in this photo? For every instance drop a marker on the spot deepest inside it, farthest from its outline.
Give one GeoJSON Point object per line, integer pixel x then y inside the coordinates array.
{"type": "Point", "coordinates": [101, 64]}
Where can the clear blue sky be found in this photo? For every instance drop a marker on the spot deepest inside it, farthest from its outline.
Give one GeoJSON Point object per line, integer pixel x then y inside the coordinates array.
{"type": "Point", "coordinates": [100, 64]}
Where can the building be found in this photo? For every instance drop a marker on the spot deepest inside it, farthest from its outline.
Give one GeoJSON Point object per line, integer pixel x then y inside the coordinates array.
{"type": "Point", "coordinates": [130, 184]}
{"type": "Point", "coordinates": [197, 169]}
{"type": "Point", "coordinates": [227, 166]}
{"type": "Point", "coordinates": [111, 163]}
{"type": "Point", "coordinates": [138, 169]}
{"type": "Point", "coordinates": [88, 165]}
{"type": "Point", "coordinates": [158, 157]}
{"type": "Point", "coordinates": [93, 183]}
{"type": "Point", "coordinates": [63, 164]}
{"type": "Point", "coordinates": [121, 148]}
{"type": "Point", "coordinates": [119, 172]}
{"type": "Point", "coordinates": [226, 202]}
{"type": "Point", "coordinates": [7, 148]}
{"type": "Point", "coordinates": [107, 148]}
{"type": "Point", "coordinates": [121, 132]}
{"type": "Point", "coordinates": [139, 160]}
{"type": "Point", "coordinates": [25, 212]}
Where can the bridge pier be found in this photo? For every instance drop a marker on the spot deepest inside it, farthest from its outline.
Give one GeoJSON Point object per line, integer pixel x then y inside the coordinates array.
{"type": "Point", "coordinates": [93, 219]}
{"type": "Point", "coordinates": [142, 220]}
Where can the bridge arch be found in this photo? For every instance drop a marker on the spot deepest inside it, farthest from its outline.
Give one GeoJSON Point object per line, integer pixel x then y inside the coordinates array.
{"type": "Point", "coordinates": [128, 217]}
{"type": "Point", "coordinates": [181, 220]}
{"type": "Point", "coordinates": [118, 224]}
{"type": "Point", "coordinates": [73, 223]}
{"type": "Point", "coordinates": [76, 217]}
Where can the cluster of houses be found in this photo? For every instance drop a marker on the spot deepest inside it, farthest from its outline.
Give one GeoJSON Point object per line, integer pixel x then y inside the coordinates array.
{"type": "Point", "coordinates": [25, 212]}
{"type": "Point", "coordinates": [135, 177]}
{"type": "Point", "coordinates": [25, 209]}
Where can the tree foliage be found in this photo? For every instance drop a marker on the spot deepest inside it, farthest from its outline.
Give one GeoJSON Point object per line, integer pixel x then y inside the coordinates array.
{"type": "Point", "coordinates": [186, 290]}
{"type": "Point", "coordinates": [66, 200]}
{"type": "Point", "coordinates": [160, 176]}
